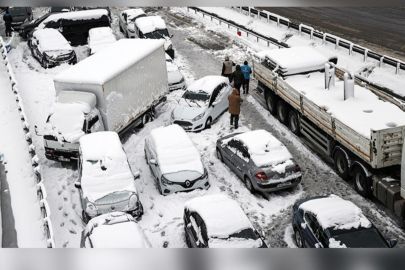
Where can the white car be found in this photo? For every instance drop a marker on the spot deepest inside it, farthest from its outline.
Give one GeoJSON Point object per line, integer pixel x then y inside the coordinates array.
{"type": "Point", "coordinates": [174, 161]}
{"type": "Point", "coordinates": [114, 230]}
{"type": "Point", "coordinates": [99, 38]}
{"type": "Point", "coordinates": [127, 21]}
{"type": "Point", "coordinates": [174, 76]}
{"type": "Point", "coordinates": [106, 182]}
{"type": "Point", "coordinates": [203, 102]}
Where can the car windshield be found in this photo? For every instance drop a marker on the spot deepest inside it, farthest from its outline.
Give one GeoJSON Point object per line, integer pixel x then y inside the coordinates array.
{"type": "Point", "coordinates": [360, 238]}
{"type": "Point", "coordinates": [201, 95]}
{"type": "Point", "coordinates": [41, 19]}
{"type": "Point", "coordinates": [248, 233]}
{"type": "Point", "coordinates": [158, 34]}
{"type": "Point", "coordinates": [59, 9]}
{"type": "Point", "coordinates": [17, 11]}
{"type": "Point", "coordinates": [137, 17]}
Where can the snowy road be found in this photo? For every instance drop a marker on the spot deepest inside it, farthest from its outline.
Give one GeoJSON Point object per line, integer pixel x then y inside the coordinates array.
{"type": "Point", "coordinates": [199, 52]}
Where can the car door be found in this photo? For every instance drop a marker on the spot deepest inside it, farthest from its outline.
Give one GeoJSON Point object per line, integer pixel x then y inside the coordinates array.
{"type": "Point", "coordinates": [241, 159]}
{"type": "Point", "coordinates": [222, 98]}
{"type": "Point", "coordinates": [229, 150]}
{"type": "Point", "coordinates": [214, 109]}
{"type": "Point", "coordinates": [311, 231]}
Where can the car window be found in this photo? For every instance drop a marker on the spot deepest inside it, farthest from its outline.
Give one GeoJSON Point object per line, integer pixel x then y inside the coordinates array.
{"type": "Point", "coordinates": [323, 237]}
{"type": "Point", "coordinates": [94, 124]}
{"type": "Point", "coordinates": [310, 219]}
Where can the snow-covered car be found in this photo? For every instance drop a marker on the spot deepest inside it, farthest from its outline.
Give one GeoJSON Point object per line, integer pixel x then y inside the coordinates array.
{"type": "Point", "coordinates": [127, 20]}
{"type": "Point", "coordinates": [203, 102]}
{"type": "Point", "coordinates": [114, 230]}
{"type": "Point", "coordinates": [175, 161]}
{"type": "Point", "coordinates": [51, 48]}
{"type": "Point", "coordinates": [262, 162]}
{"type": "Point", "coordinates": [99, 38]}
{"type": "Point", "coordinates": [174, 76]}
{"type": "Point", "coordinates": [216, 221]}
{"type": "Point", "coordinates": [60, 9]}
{"type": "Point", "coordinates": [154, 27]}
{"type": "Point", "coordinates": [332, 222]}
{"type": "Point", "coordinates": [106, 182]}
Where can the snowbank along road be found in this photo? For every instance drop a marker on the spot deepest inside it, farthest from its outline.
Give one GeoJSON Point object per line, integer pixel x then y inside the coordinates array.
{"type": "Point", "coordinates": [200, 49]}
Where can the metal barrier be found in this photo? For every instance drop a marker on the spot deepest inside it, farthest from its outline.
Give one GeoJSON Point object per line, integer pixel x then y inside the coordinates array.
{"type": "Point", "coordinates": [41, 191]}
{"type": "Point", "coordinates": [381, 91]}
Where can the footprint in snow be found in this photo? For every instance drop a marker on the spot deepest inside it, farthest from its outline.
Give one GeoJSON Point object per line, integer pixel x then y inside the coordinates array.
{"type": "Point", "coordinates": [65, 214]}
{"type": "Point", "coordinates": [180, 224]}
{"type": "Point", "coordinates": [60, 192]}
{"type": "Point", "coordinates": [65, 199]}
{"type": "Point", "coordinates": [165, 244]}
{"type": "Point", "coordinates": [73, 221]}
{"type": "Point", "coordinates": [73, 191]}
{"type": "Point", "coordinates": [60, 207]}
{"type": "Point", "coordinates": [64, 187]}
{"type": "Point", "coordinates": [65, 244]}
{"type": "Point", "coordinates": [162, 233]}
{"type": "Point", "coordinates": [62, 224]}
{"type": "Point", "coordinates": [72, 231]}
{"type": "Point", "coordinates": [261, 205]}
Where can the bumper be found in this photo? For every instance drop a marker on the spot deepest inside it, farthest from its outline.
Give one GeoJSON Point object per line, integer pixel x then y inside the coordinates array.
{"type": "Point", "coordinates": [189, 125]}
{"type": "Point", "coordinates": [179, 86]}
{"type": "Point", "coordinates": [170, 189]}
{"type": "Point", "coordinates": [61, 156]}
{"type": "Point", "coordinates": [137, 213]}
{"type": "Point", "coordinates": [266, 188]}
{"type": "Point", "coordinates": [71, 61]}
{"type": "Point", "coordinates": [170, 53]}
{"type": "Point", "coordinates": [16, 26]}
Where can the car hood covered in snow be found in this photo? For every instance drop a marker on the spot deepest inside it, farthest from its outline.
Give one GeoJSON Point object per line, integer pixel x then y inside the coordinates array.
{"type": "Point", "coordinates": [173, 73]}
{"type": "Point", "coordinates": [183, 111]}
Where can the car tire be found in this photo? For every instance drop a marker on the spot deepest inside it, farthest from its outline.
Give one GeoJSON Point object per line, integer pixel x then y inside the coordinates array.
{"type": "Point", "coordinates": [84, 217]}
{"type": "Point", "coordinates": [298, 238]}
{"type": "Point", "coordinates": [121, 30]}
{"type": "Point", "coordinates": [341, 164]}
{"type": "Point", "coordinates": [208, 123]}
{"type": "Point", "coordinates": [219, 155]}
{"type": "Point", "coordinates": [271, 102]}
{"type": "Point", "coordinates": [361, 182]}
{"type": "Point", "coordinates": [293, 122]}
{"type": "Point", "coordinates": [282, 112]}
{"type": "Point", "coordinates": [159, 187]}
{"type": "Point", "coordinates": [188, 242]}
{"type": "Point", "coordinates": [249, 185]}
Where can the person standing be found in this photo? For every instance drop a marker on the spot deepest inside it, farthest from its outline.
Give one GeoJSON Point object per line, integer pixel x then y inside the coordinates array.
{"type": "Point", "coordinates": [8, 19]}
{"type": "Point", "coordinates": [246, 70]}
{"type": "Point", "coordinates": [234, 106]}
{"type": "Point", "coordinates": [238, 78]}
{"type": "Point", "coordinates": [227, 67]}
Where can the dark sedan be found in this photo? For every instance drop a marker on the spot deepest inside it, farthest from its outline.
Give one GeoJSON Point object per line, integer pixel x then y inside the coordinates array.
{"type": "Point", "coordinates": [20, 15]}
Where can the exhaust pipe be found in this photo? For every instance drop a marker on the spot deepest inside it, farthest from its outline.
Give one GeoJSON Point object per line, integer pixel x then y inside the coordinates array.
{"type": "Point", "coordinates": [348, 85]}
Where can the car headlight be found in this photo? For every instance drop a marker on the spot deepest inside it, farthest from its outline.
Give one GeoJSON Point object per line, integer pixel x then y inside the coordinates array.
{"type": "Point", "coordinates": [182, 80]}
{"type": "Point", "coordinates": [132, 204]}
{"type": "Point", "coordinates": [198, 117]}
{"type": "Point", "coordinates": [204, 175]}
{"type": "Point", "coordinates": [166, 182]}
{"type": "Point", "coordinates": [169, 48]}
{"type": "Point", "coordinates": [91, 209]}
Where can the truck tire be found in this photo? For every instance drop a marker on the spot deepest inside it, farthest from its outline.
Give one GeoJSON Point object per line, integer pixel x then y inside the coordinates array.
{"type": "Point", "coordinates": [293, 122]}
{"type": "Point", "coordinates": [361, 182]}
{"type": "Point", "coordinates": [341, 164]}
{"type": "Point", "coordinates": [282, 111]}
{"type": "Point", "coordinates": [271, 102]}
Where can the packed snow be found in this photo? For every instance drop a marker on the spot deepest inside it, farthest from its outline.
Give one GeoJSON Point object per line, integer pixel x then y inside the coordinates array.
{"type": "Point", "coordinates": [333, 243]}
{"type": "Point", "coordinates": [105, 166]}
{"type": "Point", "coordinates": [150, 24]}
{"type": "Point", "coordinates": [133, 13]}
{"type": "Point", "coordinates": [175, 150]}
{"type": "Point", "coordinates": [207, 84]}
{"type": "Point", "coordinates": [119, 57]}
{"type": "Point", "coordinates": [51, 40]}
{"type": "Point", "coordinates": [336, 213]}
{"type": "Point", "coordinates": [234, 242]}
{"type": "Point", "coordinates": [76, 15]}
{"type": "Point", "coordinates": [100, 38]}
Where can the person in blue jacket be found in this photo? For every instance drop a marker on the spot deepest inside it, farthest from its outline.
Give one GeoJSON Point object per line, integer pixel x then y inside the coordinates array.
{"type": "Point", "coordinates": [246, 70]}
{"type": "Point", "coordinates": [8, 20]}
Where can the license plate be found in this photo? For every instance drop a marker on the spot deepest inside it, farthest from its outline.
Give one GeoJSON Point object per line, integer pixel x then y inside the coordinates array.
{"type": "Point", "coordinates": [172, 88]}
{"type": "Point", "coordinates": [284, 184]}
{"type": "Point", "coordinates": [64, 159]}
{"type": "Point", "coordinates": [184, 127]}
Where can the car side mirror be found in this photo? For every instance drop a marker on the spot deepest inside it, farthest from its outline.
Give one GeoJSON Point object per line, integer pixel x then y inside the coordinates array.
{"type": "Point", "coordinates": [153, 161]}
{"type": "Point", "coordinates": [393, 242]}
{"type": "Point", "coordinates": [137, 175]}
{"type": "Point", "coordinates": [78, 185]}
{"type": "Point", "coordinates": [214, 103]}
{"type": "Point", "coordinates": [36, 131]}
{"type": "Point", "coordinates": [171, 36]}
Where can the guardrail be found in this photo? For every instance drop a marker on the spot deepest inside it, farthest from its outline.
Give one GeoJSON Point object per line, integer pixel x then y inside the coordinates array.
{"type": "Point", "coordinates": [381, 91]}
{"type": "Point", "coordinates": [41, 191]}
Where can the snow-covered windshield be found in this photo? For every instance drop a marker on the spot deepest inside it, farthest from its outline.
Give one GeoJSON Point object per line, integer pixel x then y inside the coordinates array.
{"type": "Point", "coordinates": [246, 234]}
{"type": "Point", "coordinates": [201, 95]}
{"type": "Point", "coordinates": [17, 11]}
{"type": "Point", "coordinates": [356, 238]}
{"type": "Point", "coordinates": [137, 17]}
{"type": "Point", "coordinates": [157, 34]}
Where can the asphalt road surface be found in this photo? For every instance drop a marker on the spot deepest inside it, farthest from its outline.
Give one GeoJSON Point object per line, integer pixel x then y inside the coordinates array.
{"type": "Point", "coordinates": [381, 29]}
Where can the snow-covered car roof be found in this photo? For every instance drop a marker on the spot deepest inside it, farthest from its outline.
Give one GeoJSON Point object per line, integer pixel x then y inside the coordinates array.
{"type": "Point", "coordinates": [100, 37]}
{"type": "Point", "coordinates": [222, 215]}
{"type": "Point", "coordinates": [133, 13]}
{"type": "Point", "coordinates": [105, 166]}
{"type": "Point", "coordinates": [117, 57]}
{"type": "Point", "coordinates": [173, 73]}
{"type": "Point", "coordinates": [116, 230]}
{"type": "Point", "coordinates": [76, 96]}
{"type": "Point", "coordinates": [51, 40]}
{"type": "Point", "coordinates": [207, 84]}
{"type": "Point", "coordinates": [150, 24]}
{"type": "Point", "coordinates": [66, 121]}
{"type": "Point", "coordinates": [296, 59]}
{"type": "Point", "coordinates": [264, 149]}
{"type": "Point", "coordinates": [75, 15]}
{"type": "Point", "coordinates": [175, 151]}
{"type": "Point", "coordinates": [337, 213]}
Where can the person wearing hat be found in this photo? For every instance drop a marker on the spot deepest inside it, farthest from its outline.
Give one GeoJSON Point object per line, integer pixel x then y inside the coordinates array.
{"type": "Point", "coordinates": [234, 106]}
{"type": "Point", "coordinates": [238, 78]}
{"type": "Point", "coordinates": [8, 19]}
{"type": "Point", "coordinates": [227, 67]}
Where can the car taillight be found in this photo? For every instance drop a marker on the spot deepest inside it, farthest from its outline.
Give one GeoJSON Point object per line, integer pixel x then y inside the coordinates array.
{"type": "Point", "coordinates": [261, 176]}
{"type": "Point", "coordinates": [49, 152]}
{"type": "Point", "coordinates": [297, 168]}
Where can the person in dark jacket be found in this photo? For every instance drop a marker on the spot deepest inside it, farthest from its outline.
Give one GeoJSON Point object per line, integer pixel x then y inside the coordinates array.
{"type": "Point", "coordinates": [246, 70]}
{"type": "Point", "coordinates": [238, 78]}
{"type": "Point", "coordinates": [8, 19]}
{"type": "Point", "coordinates": [234, 106]}
{"type": "Point", "coordinates": [227, 67]}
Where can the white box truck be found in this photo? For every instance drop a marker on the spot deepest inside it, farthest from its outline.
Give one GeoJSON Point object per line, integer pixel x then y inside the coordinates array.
{"type": "Point", "coordinates": [363, 134]}
{"type": "Point", "coordinates": [128, 80]}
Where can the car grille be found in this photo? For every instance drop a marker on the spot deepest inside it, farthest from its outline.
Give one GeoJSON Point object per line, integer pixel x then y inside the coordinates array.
{"type": "Point", "coordinates": [191, 183]}
{"type": "Point", "coordinates": [183, 123]}
{"type": "Point", "coordinates": [64, 57]}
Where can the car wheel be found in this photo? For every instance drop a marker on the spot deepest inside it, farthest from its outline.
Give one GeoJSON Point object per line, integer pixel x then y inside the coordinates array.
{"type": "Point", "coordinates": [361, 183]}
{"type": "Point", "coordinates": [219, 155]}
{"type": "Point", "coordinates": [208, 123]}
{"type": "Point", "coordinates": [298, 238]}
{"type": "Point", "coordinates": [159, 187]}
{"type": "Point", "coordinates": [341, 165]}
{"type": "Point", "coordinates": [84, 217]}
{"type": "Point", "coordinates": [282, 111]}
{"type": "Point", "coordinates": [121, 30]}
{"type": "Point", "coordinates": [293, 122]}
{"type": "Point", "coordinates": [271, 102]}
{"type": "Point", "coordinates": [249, 184]}
{"type": "Point", "coordinates": [188, 242]}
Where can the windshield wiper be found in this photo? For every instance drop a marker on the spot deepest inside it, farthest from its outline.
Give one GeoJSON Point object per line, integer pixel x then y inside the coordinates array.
{"type": "Point", "coordinates": [196, 103]}
{"type": "Point", "coordinates": [187, 102]}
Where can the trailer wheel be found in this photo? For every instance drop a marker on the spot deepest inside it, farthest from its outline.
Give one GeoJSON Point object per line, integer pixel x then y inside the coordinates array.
{"type": "Point", "coordinates": [361, 182]}
{"type": "Point", "coordinates": [271, 102]}
{"type": "Point", "coordinates": [341, 164]}
{"type": "Point", "coordinates": [293, 122]}
{"type": "Point", "coordinates": [282, 112]}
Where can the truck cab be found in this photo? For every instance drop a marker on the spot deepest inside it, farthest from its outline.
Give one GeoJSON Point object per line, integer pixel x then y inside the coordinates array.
{"type": "Point", "coordinates": [73, 115]}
